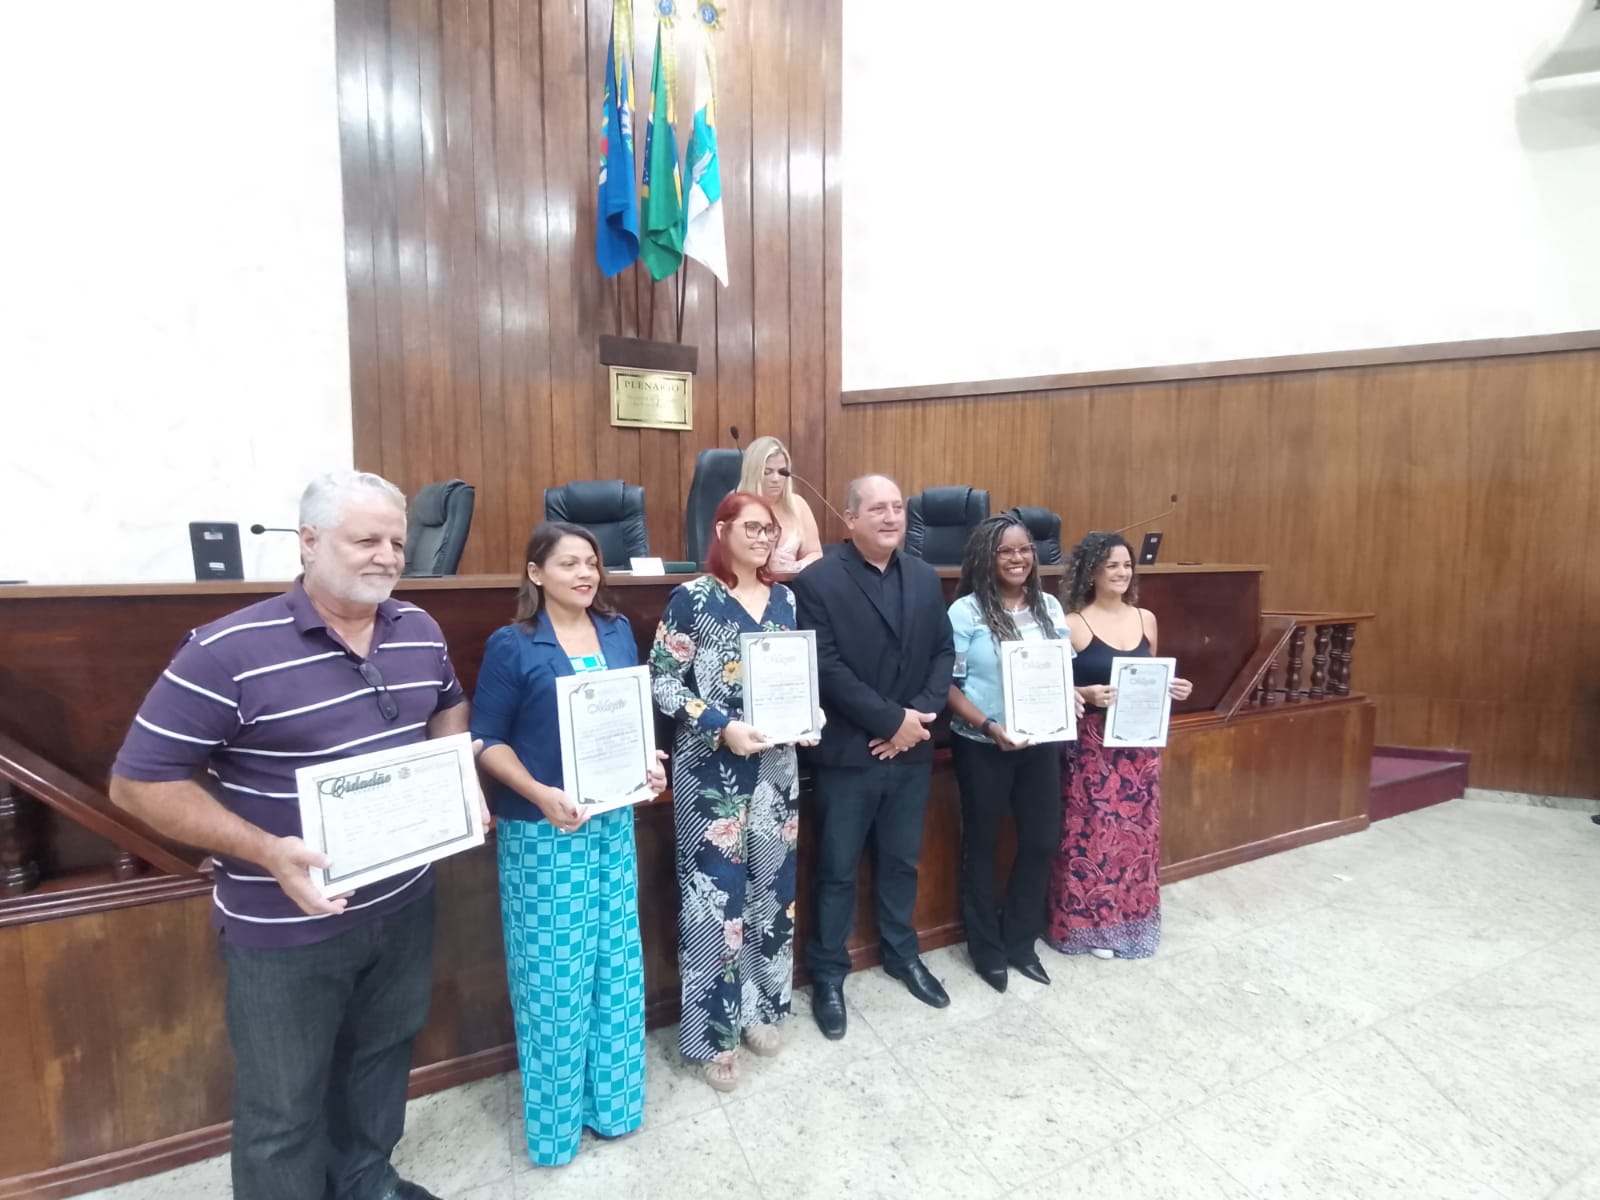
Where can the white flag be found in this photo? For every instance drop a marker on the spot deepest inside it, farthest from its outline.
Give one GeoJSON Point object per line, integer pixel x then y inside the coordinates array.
{"type": "Point", "coordinates": [705, 239]}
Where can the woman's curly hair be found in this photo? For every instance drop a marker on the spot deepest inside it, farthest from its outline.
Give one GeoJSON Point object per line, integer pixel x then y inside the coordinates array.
{"type": "Point", "coordinates": [1088, 556]}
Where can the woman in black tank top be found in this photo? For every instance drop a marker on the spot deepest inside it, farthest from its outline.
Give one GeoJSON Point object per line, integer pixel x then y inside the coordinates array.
{"type": "Point", "coordinates": [1104, 896]}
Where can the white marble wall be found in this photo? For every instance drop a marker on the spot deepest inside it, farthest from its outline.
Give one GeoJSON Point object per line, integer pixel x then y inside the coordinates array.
{"type": "Point", "coordinates": [173, 311]}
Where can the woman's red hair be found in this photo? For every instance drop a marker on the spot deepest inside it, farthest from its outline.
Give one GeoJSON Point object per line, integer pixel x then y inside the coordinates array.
{"type": "Point", "coordinates": [718, 562]}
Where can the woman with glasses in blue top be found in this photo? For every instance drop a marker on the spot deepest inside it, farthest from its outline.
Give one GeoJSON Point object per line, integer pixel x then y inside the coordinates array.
{"type": "Point", "coordinates": [998, 599]}
{"type": "Point", "coordinates": [569, 890]}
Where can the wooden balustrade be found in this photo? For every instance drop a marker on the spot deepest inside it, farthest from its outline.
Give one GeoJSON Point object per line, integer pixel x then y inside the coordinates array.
{"type": "Point", "coordinates": [1332, 637]}
{"type": "Point", "coordinates": [19, 872]}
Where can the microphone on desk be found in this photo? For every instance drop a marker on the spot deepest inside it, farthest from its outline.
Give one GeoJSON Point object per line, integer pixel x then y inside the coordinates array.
{"type": "Point", "coordinates": [788, 474]}
{"type": "Point", "coordinates": [733, 431]}
{"type": "Point", "coordinates": [1151, 520]}
{"type": "Point", "coordinates": [272, 529]}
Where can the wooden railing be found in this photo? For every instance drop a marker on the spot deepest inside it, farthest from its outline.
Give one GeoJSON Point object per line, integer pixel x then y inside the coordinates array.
{"type": "Point", "coordinates": [140, 868]}
{"type": "Point", "coordinates": [1277, 672]}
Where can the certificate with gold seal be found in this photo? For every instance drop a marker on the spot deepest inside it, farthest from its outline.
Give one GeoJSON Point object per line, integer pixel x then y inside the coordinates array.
{"type": "Point", "coordinates": [380, 814]}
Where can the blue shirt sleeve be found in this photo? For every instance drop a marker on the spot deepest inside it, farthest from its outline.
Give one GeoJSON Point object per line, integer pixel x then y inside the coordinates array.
{"type": "Point", "coordinates": [499, 690]}
{"type": "Point", "coordinates": [964, 628]}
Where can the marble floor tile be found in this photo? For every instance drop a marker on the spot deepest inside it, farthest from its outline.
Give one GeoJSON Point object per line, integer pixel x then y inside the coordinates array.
{"type": "Point", "coordinates": [897, 1017]}
{"type": "Point", "coordinates": [1519, 1141]}
{"type": "Point", "coordinates": [209, 1179]}
{"type": "Point", "coordinates": [1537, 1020]}
{"type": "Point", "coordinates": [504, 1189]}
{"type": "Point", "coordinates": [1022, 1096]}
{"type": "Point", "coordinates": [1162, 1046]}
{"type": "Point", "coordinates": [863, 1131]}
{"type": "Point", "coordinates": [1286, 1136]}
{"type": "Point", "coordinates": [673, 1089]}
{"type": "Point", "coordinates": [1289, 1009]}
{"type": "Point", "coordinates": [806, 1054]}
{"type": "Point", "coordinates": [1161, 1163]}
{"type": "Point", "coordinates": [456, 1140]}
{"type": "Point", "coordinates": [696, 1157]}
{"type": "Point", "coordinates": [1583, 1186]}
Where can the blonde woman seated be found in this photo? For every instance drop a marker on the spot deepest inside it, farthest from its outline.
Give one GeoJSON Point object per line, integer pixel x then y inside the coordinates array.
{"type": "Point", "coordinates": [799, 543]}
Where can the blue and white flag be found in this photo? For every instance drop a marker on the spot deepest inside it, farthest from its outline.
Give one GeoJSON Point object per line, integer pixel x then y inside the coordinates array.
{"type": "Point", "coordinates": [705, 239]}
{"type": "Point", "coordinates": [616, 229]}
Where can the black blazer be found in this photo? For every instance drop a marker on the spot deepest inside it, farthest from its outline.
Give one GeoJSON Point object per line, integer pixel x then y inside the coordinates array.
{"type": "Point", "coordinates": [873, 665]}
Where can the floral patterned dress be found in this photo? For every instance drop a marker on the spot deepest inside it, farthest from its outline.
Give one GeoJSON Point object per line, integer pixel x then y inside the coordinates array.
{"type": "Point", "coordinates": [1105, 888]}
{"type": "Point", "coordinates": [737, 822]}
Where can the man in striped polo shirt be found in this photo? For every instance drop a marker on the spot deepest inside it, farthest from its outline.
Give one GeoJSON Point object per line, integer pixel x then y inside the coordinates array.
{"type": "Point", "coordinates": [324, 996]}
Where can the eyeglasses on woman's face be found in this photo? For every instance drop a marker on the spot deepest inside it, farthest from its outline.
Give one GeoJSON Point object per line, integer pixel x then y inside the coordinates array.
{"type": "Point", "coordinates": [1015, 553]}
{"type": "Point", "coordinates": [757, 532]}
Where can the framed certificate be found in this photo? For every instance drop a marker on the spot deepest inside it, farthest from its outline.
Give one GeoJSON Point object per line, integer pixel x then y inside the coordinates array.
{"type": "Point", "coordinates": [608, 736]}
{"type": "Point", "coordinates": [1140, 714]}
{"type": "Point", "coordinates": [779, 670]}
{"type": "Point", "coordinates": [380, 814]}
{"type": "Point", "coordinates": [1036, 680]}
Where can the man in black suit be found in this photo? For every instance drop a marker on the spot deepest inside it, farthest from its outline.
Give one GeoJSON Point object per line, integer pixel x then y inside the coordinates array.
{"type": "Point", "coordinates": [884, 660]}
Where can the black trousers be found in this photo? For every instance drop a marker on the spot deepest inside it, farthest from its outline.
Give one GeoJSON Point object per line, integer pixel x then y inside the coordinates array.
{"type": "Point", "coordinates": [886, 800]}
{"type": "Point", "coordinates": [322, 1048]}
{"type": "Point", "coordinates": [1028, 783]}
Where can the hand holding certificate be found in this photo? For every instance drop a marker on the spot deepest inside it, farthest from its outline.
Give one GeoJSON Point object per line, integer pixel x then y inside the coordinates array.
{"type": "Point", "coordinates": [1140, 714]}
{"type": "Point", "coordinates": [781, 698]}
{"type": "Point", "coordinates": [1036, 679]}
{"type": "Point", "coordinates": [608, 737]}
{"type": "Point", "coordinates": [380, 814]}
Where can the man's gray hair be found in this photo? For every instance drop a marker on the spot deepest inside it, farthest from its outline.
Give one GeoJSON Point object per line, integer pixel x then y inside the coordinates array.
{"type": "Point", "coordinates": [323, 501]}
{"type": "Point", "coordinates": [852, 494]}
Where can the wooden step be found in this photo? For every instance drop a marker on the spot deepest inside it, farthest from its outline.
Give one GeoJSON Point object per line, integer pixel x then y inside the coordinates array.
{"type": "Point", "coordinates": [1406, 778]}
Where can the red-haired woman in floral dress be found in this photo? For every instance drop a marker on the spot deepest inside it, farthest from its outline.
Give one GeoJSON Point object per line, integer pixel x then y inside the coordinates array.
{"type": "Point", "coordinates": [735, 799]}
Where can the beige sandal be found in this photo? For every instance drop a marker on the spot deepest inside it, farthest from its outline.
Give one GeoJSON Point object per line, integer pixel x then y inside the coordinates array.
{"type": "Point", "coordinates": [764, 1040]}
{"type": "Point", "coordinates": [722, 1072]}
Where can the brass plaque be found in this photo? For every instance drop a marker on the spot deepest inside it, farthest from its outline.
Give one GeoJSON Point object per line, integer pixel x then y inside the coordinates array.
{"type": "Point", "coordinates": [652, 399]}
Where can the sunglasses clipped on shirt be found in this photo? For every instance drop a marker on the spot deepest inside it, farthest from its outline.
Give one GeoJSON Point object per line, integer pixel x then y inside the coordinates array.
{"type": "Point", "coordinates": [374, 679]}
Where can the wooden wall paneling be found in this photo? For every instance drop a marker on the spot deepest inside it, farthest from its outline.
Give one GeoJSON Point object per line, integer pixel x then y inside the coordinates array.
{"type": "Point", "coordinates": [440, 417]}
{"type": "Point", "coordinates": [616, 450]}
{"type": "Point", "coordinates": [735, 345]}
{"type": "Point", "coordinates": [75, 1034]}
{"type": "Point", "coordinates": [384, 218]}
{"type": "Point", "coordinates": [357, 173]}
{"type": "Point", "coordinates": [832, 249]}
{"type": "Point", "coordinates": [410, 196]}
{"type": "Point", "coordinates": [24, 1147]}
{"type": "Point", "coordinates": [1330, 524]}
{"type": "Point", "coordinates": [770, 64]}
{"type": "Point", "coordinates": [1067, 485]}
{"type": "Point", "coordinates": [458, 405]}
{"type": "Point", "coordinates": [1195, 528]}
{"type": "Point", "coordinates": [808, 407]}
{"type": "Point", "coordinates": [524, 205]}
{"type": "Point", "coordinates": [492, 520]}
{"type": "Point", "coordinates": [173, 1065]}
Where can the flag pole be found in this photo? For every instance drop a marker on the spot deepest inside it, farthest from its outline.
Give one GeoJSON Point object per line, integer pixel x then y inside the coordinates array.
{"type": "Point", "coordinates": [683, 290]}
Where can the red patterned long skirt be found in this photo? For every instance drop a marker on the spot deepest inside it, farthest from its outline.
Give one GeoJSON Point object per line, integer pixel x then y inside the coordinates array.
{"type": "Point", "coordinates": [1104, 888]}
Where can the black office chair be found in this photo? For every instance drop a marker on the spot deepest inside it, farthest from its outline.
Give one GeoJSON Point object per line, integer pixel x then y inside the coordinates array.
{"type": "Point", "coordinates": [437, 525]}
{"type": "Point", "coordinates": [1044, 527]}
{"type": "Point", "coordinates": [716, 473]}
{"type": "Point", "coordinates": [939, 521]}
{"type": "Point", "coordinates": [608, 508]}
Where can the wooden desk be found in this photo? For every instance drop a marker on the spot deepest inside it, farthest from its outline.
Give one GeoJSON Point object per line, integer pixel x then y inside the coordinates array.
{"type": "Point", "coordinates": [119, 979]}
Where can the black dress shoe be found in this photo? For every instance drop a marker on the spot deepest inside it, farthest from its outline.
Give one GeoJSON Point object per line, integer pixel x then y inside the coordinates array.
{"type": "Point", "coordinates": [827, 1006]}
{"type": "Point", "coordinates": [1033, 971]}
{"type": "Point", "coordinates": [995, 977]}
{"type": "Point", "coordinates": [920, 983]}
